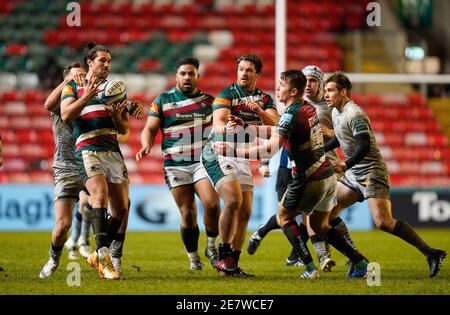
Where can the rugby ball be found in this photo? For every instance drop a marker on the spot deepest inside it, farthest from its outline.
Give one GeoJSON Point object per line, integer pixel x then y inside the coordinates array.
{"type": "Point", "coordinates": [112, 91]}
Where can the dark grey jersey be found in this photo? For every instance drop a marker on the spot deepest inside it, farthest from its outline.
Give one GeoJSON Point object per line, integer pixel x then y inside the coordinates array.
{"type": "Point", "coordinates": [324, 115]}
{"type": "Point", "coordinates": [349, 123]}
{"type": "Point", "coordinates": [64, 160]}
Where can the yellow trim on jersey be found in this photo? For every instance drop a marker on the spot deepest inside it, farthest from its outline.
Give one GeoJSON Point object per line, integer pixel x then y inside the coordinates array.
{"type": "Point", "coordinates": [68, 90]}
{"type": "Point", "coordinates": [153, 108]}
{"type": "Point", "coordinates": [221, 101]}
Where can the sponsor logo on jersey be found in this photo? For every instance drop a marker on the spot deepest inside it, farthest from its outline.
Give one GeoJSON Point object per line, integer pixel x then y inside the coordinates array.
{"type": "Point", "coordinates": [285, 119]}
{"type": "Point", "coordinates": [68, 90]}
{"type": "Point", "coordinates": [154, 108]}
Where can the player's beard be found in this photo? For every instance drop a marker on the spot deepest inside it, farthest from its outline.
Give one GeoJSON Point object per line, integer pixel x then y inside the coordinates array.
{"type": "Point", "coordinates": [247, 85]}
{"type": "Point", "coordinates": [189, 89]}
{"type": "Point", "coordinates": [101, 74]}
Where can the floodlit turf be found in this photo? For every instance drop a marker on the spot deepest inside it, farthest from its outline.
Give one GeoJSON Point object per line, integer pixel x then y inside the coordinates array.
{"type": "Point", "coordinates": [155, 263]}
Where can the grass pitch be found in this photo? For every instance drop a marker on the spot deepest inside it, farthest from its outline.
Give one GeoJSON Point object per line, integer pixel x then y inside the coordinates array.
{"type": "Point", "coordinates": [155, 263]}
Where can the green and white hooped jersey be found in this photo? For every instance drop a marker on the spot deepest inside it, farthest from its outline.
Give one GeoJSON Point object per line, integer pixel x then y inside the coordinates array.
{"type": "Point", "coordinates": [185, 125]}
{"type": "Point", "coordinates": [94, 129]}
{"type": "Point", "coordinates": [234, 98]}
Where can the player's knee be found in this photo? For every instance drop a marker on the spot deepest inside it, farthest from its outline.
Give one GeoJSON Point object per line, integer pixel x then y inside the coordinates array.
{"type": "Point", "coordinates": [283, 218]}
{"type": "Point", "coordinates": [335, 211]}
{"type": "Point", "coordinates": [232, 206]}
{"type": "Point", "coordinates": [212, 207]}
{"type": "Point", "coordinates": [98, 195]}
{"type": "Point", "coordinates": [212, 214]}
{"type": "Point", "coordinates": [315, 227]}
{"type": "Point", "coordinates": [320, 228]}
{"type": "Point", "coordinates": [99, 200]}
{"type": "Point", "coordinates": [188, 216]}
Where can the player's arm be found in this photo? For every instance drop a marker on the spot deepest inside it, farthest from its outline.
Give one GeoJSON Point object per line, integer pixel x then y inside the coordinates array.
{"type": "Point", "coordinates": [332, 144]}
{"type": "Point", "coordinates": [360, 131]}
{"type": "Point", "coordinates": [220, 119]}
{"type": "Point", "coordinates": [256, 152]}
{"type": "Point", "coordinates": [71, 107]}
{"type": "Point", "coordinates": [148, 135]}
{"type": "Point", "coordinates": [269, 116]}
{"type": "Point", "coordinates": [327, 128]}
{"type": "Point", "coordinates": [261, 131]}
{"type": "Point", "coordinates": [53, 100]}
{"type": "Point", "coordinates": [221, 112]}
{"type": "Point", "coordinates": [263, 151]}
{"type": "Point", "coordinates": [363, 148]}
{"type": "Point", "coordinates": [264, 131]}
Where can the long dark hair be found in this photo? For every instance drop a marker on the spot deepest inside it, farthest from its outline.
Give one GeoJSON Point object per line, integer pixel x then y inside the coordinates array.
{"type": "Point", "coordinates": [90, 52]}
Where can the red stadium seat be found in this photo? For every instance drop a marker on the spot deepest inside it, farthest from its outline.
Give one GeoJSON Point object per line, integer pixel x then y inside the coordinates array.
{"type": "Point", "coordinates": [19, 178]}
{"type": "Point", "coordinates": [41, 177]}
{"type": "Point", "coordinates": [16, 49]}
{"type": "Point", "coordinates": [26, 136]}
{"type": "Point", "coordinates": [33, 96]}
{"type": "Point", "coordinates": [11, 96]}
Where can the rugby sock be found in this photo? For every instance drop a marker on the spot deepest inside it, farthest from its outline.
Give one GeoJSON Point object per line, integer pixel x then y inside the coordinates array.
{"type": "Point", "coordinates": [99, 226]}
{"type": "Point", "coordinates": [270, 225]}
{"type": "Point", "coordinates": [224, 250]}
{"type": "Point", "coordinates": [55, 251]}
{"type": "Point", "coordinates": [293, 255]}
{"type": "Point", "coordinates": [292, 232]}
{"type": "Point", "coordinates": [113, 227]}
{"type": "Point", "coordinates": [86, 223]}
{"type": "Point", "coordinates": [117, 245]}
{"type": "Point", "coordinates": [319, 245]}
{"type": "Point", "coordinates": [338, 241]}
{"type": "Point", "coordinates": [406, 233]}
{"type": "Point", "coordinates": [190, 238]}
{"type": "Point", "coordinates": [303, 232]}
{"type": "Point", "coordinates": [304, 236]}
{"type": "Point", "coordinates": [211, 236]}
{"type": "Point", "coordinates": [236, 254]}
{"type": "Point", "coordinates": [340, 226]}
{"type": "Point", "coordinates": [76, 228]}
